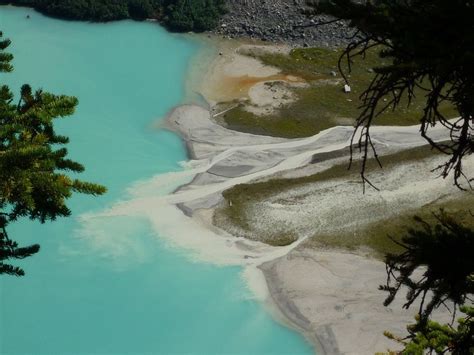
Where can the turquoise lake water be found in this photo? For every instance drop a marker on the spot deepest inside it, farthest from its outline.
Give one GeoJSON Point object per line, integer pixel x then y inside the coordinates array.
{"type": "Point", "coordinates": [139, 296]}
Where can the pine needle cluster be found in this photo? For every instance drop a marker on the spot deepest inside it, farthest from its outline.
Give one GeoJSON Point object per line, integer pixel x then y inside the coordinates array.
{"type": "Point", "coordinates": [35, 171]}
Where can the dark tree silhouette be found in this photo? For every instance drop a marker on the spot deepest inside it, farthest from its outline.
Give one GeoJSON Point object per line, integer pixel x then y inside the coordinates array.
{"type": "Point", "coordinates": [431, 47]}
{"type": "Point", "coordinates": [33, 163]}
{"type": "Point", "coordinates": [10, 250]}
{"type": "Point", "coordinates": [437, 268]}
{"type": "Point", "coordinates": [444, 252]}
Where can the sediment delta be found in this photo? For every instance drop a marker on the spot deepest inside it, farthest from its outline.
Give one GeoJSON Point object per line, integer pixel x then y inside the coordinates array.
{"type": "Point", "coordinates": [330, 295]}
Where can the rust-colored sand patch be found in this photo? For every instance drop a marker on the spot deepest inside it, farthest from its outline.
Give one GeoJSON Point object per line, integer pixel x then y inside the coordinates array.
{"type": "Point", "coordinates": [232, 88]}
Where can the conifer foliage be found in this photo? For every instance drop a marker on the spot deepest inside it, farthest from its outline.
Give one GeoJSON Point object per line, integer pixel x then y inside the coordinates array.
{"type": "Point", "coordinates": [437, 270]}
{"type": "Point", "coordinates": [436, 267]}
{"type": "Point", "coordinates": [436, 338]}
{"type": "Point", "coordinates": [33, 162]}
{"type": "Point", "coordinates": [198, 15]}
{"type": "Point", "coordinates": [177, 15]}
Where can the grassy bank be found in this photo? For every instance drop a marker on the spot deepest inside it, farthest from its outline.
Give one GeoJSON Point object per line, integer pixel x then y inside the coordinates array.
{"type": "Point", "coordinates": [323, 104]}
{"type": "Point", "coordinates": [240, 199]}
{"type": "Point", "coordinates": [377, 236]}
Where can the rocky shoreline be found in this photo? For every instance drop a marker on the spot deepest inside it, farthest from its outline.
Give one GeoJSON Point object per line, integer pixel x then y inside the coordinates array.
{"type": "Point", "coordinates": [281, 21]}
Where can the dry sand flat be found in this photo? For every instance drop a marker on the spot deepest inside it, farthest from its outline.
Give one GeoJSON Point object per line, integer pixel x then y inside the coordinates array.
{"type": "Point", "coordinates": [236, 77]}
{"type": "Point", "coordinates": [231, 74]}
{"type": "Point", "coordinates": [334, 298]}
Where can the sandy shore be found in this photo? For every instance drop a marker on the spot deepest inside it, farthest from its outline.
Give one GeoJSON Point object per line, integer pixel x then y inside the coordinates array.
{"type": "Point", "coordinates": [330, 296]}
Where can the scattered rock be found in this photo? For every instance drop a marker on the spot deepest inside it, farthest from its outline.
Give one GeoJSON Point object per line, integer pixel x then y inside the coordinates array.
{"type": "Point", "coordinates": [281, 21]}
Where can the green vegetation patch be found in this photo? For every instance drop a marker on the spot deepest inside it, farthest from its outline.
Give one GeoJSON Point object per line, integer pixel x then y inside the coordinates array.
{"type": "Point", "coordinates": [193, 15]}
{"type": "Point", "coordinates": [378, 236]}
{"type": "Point", "coordinates": [323, 104]}
{"type": "Point", "coordinates": [240, 199]}
{"type": "Point", "coordinates": [262, 190]}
